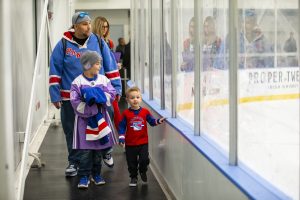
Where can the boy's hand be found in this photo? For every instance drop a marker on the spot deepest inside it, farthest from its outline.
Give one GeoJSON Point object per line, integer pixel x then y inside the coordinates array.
{"type": "Point", "coordinates": [122, 144]}
{"type": "Point", "coordinates": [122, 140]}
{"type": "Point", "coordinates": [161, 120]}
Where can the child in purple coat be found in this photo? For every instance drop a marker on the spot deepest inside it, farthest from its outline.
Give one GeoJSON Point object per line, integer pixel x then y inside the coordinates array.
{"type": "Point", "coordinates": [91, 93]}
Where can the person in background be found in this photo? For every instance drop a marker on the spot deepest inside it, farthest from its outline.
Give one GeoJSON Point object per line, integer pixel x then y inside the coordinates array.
{"type": "Point", "coordinates": [188, 54]}
{"type": "Point", "coordinates": [290, 46]}
{"type": "Point", "coordinates": [65, 67]}
{"type": "Point", "coordinates": [133, 133]}
{"type": "Point", "coordinates": [121, 46]}
{"type": "Point", "coordinates": [91, 94]}
{"type": "Point", "coordinates": [125, 67]}
{"type": "Point", "coordinates": [254, 46]}
{"type": "Point", "coordinates": [101, 28]}
{"type": "Point", "coordinates": [213, 47]}
{"type": "Point", "coordinates": [126, 59]}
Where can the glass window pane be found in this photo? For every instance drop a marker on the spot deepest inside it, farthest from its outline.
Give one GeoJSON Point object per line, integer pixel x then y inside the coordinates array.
{"type": "Point", "coordinates": [156, 28]}
{"type": "Point", "coordinates": [214, 75]}
{"type": "Point", "coordinates": [167, 53]}
{"type": "Point", "coordinates": [137, 35]}
{"type": "Point", "coordinates": [147, 51]}
{"type": "Point", "coordinates": [186, 61]}
{"type": "Point", "coordinates": [268, 140]}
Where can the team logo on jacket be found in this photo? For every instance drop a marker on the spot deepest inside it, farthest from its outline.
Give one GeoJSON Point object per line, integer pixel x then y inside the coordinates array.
{"type": "Point", "coordinates": [137, 123]}
{"type": "Point", "coordinates": [137, 126]}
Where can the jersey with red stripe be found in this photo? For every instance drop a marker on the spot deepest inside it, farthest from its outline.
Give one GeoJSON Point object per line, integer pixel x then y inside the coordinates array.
{"type": "Point", "coordinates": [134, 126]}
{"type": "Point", "coordinates": [65, 66]}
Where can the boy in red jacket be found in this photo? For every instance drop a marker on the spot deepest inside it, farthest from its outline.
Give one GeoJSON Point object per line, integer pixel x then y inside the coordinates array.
{"type": "Point", "coordinates": [134, 135]}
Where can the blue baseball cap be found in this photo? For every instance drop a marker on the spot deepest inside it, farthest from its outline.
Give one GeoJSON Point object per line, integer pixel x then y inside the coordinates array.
{"type": "Point", "coordinates": [80, 17]}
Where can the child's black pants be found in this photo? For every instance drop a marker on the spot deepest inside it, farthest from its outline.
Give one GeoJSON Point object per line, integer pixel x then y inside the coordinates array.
{"type": "Point", "coordinates": [137, 159]}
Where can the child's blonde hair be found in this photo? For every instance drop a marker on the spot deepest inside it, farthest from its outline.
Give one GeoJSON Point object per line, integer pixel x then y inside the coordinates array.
{"type": "Point", "coordinates": [132, 89]}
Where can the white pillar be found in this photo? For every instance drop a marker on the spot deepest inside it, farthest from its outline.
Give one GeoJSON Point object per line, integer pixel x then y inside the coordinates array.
{"type": "Point", "coordinates": [6, 108]}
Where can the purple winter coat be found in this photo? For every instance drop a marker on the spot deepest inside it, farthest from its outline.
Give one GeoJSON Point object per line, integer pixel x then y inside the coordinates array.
{"type": "Point", "coordinates": [84, 111]}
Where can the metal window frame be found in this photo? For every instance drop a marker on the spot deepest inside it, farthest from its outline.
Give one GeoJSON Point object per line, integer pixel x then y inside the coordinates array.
{"type": "Point", "coordinates": [142, 45]}
{"type": "Point", "coordinates": [162, 56]}
{"type": "Point", "coordinates": [198, 66]}
{"type": "Point", "coordinates": [151, 57]}
{"type": "Point", "coordinates": [174, 46]}
{"type": "Point", "coordinates": [233, 82]}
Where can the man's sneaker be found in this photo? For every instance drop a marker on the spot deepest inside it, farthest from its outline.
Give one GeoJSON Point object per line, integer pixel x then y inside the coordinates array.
{"type": "Point", "coordinates": [71, 170]}
{"type": "Point", "coordinates": [98, 180]}
{"type": "Point", "coordinates": [144, 177]}
{"type": "Point", "coordinates": [108, 160]}
{"type": "Point", "coordinates": [84, 182]}
{"type": "Point", "coordinates": [133, 182]}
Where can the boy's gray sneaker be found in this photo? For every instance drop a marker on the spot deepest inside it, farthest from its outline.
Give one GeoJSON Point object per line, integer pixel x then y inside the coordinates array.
{"type": "Point", "coordinates": [71, 170]}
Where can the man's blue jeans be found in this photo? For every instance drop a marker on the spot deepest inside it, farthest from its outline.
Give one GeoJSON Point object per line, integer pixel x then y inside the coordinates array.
{"type": "Point", "coordinates": [67, 120]}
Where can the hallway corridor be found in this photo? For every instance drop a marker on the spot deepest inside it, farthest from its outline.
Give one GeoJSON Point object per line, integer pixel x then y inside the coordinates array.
{"type": "Point", "coordinates": [49, 182]}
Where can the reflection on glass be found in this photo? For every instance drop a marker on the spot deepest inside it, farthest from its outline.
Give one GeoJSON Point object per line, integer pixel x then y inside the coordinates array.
{"type": "Point", "coordinates": [167, 54]}
{"type": "Point", "coordinates": [290, 46]}
{"type": "Point", "coordinates": [213, 46]}
{"type": "Point", "coordinates": [188, 54]}
{"type": "Point", "coordinates": [256, 50]}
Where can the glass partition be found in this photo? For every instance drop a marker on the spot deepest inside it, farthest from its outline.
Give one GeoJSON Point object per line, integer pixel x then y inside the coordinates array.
{"type": "Point", "coordinates": [214, 74]}
{"type": "Point", "coordinates": [268, 123]}
{"type": "Point", "coordinates": [156, 64]}
{"type": "Point", "coordinates": [186, 61]}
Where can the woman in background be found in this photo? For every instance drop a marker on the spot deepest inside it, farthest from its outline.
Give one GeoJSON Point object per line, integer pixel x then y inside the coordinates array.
{"type": "Point", "coordinates": [101, 28]}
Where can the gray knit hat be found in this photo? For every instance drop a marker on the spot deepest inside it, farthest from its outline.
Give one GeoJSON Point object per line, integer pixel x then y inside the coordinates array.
{"type": "Point", "coordinates": [80, 17]}
{"type": "Point", "coordinates": [88, 59]}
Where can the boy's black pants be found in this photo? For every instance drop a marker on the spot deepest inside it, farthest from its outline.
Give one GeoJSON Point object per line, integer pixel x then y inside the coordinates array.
{"type": "Point", "coordinates": [137, 159]}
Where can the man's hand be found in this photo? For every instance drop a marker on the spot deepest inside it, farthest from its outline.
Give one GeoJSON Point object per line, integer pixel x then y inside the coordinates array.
{"type": "Point", "coordinates": [57, 104]}
{"type": "Point", "coordinates": [119, 65]}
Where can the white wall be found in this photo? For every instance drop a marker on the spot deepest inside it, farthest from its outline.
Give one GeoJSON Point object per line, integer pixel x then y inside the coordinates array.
{"type": "Point", "coordinates": [6, 125]}
{"type": "Point", "coordinates": [101, 4]}
{"type": "Point", "coordinates": [23, 48]}
{"type": "Point", "coordinates": [114, 17]}
{"type": "Point", "coordinates": [61, 21]}
{"type": "Point", "coordinates": [25, 32]}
